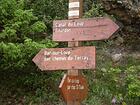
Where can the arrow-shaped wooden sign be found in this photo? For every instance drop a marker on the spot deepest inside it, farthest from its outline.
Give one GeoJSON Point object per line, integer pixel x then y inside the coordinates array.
{"type": "Point", "coordinates": [83, 29]}
{"type": "Point", "coordinates": [66, 58]}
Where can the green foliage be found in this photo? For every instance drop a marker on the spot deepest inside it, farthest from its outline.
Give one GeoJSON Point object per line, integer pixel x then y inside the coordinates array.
{"type": "Point", "coordinates": [95, 11]}
{"type": "Point", "coordinates": [48, 10]}
{"type": "Point", "coordinates": [38, 27]}
{"type": "Point", "coordinates": [133, 81]}
{"type": "Point", "coordinates": [17, 56]}
{"type": "Point", "coordinates": [18, 23]}
{"type": "Point", "coordinates": [122, 82]}
{"type": "Point", "coordinates": [43, 88]}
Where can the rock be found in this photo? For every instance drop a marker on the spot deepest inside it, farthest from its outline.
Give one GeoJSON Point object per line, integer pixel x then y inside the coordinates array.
{"type": "Point", "coordinates": [119, 41]}
{"type": "Point", "coordinates": [114, 101]}
{"type": "Point", "coordinates": [126, 12]}
{"type": "Point", "coordinates": [135, 55]}
{"type": "Point", "coordinates": [116, 57]}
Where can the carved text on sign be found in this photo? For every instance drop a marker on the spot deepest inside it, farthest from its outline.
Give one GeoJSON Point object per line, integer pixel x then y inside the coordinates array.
{"type": "Point", "coordinates": [65, 27]}
{"type": "Point", "coordinates": [69, 24]}
{"type": "Point", "coordinates": [65, 56]}
{"type": "Point", "coordinates": [75, 84]}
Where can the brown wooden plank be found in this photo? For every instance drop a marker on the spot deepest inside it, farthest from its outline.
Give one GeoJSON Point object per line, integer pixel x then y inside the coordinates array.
{"type": "Point", "coordinates": [83, 29]}
{"type": "Point", "coordinates": [66, 58]}
{"type": "Point", "coordinates": [73, 88]}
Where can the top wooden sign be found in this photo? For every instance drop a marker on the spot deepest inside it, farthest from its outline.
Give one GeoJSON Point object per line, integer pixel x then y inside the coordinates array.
{"type": "Point", "coordinates": [83, 29]}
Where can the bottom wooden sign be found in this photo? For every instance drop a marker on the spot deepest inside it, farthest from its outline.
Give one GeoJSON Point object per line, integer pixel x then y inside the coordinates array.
{"type": "Point", "coordinates": [73, 88]}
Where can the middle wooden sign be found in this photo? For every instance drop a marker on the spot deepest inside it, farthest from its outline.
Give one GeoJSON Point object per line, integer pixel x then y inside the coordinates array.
{"type": "Point", "coordinates": [66, 58]}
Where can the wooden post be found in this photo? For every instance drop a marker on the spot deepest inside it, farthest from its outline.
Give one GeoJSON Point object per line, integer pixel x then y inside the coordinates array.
{"type": "Point", "coordinates": [75, 5]}
{"type": "Point", "coordinates": [75, 12]}
{"type": "Point", "coordinates": [73, 103]}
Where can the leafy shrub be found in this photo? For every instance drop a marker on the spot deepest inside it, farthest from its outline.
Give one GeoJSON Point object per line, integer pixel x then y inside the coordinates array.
{"type": "Point", "coordinates": [17, 56]}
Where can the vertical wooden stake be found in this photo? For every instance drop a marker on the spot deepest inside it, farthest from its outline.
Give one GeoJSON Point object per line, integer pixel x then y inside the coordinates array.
{"type": "Point", "coordinates": [75, 5]}
{"type": "Point", "coordinates": [75, 44]}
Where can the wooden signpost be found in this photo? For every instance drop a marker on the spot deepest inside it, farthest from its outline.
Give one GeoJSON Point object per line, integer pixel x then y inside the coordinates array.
{"type": "Point", "coordinates": [74, 86]}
